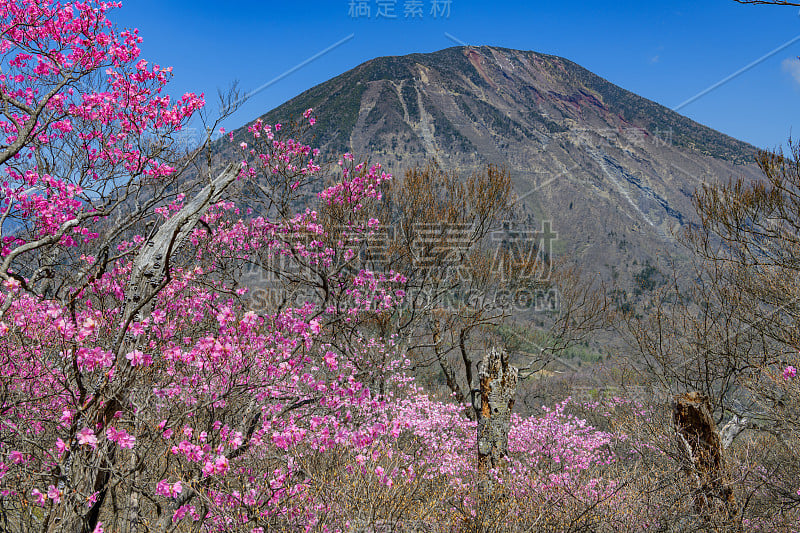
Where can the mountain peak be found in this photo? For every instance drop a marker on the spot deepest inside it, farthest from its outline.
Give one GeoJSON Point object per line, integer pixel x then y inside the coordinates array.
{"type": "Point", "coordinates": [552, 91]}
{"type": "Point", "coordinates": [612, 171]}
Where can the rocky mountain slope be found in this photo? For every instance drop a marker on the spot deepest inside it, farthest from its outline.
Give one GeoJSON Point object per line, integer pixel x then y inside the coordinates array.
{"type": "Point", "coordinates": [613, 172]}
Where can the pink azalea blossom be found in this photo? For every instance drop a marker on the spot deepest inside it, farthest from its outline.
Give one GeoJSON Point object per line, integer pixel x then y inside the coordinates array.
{"type": "Point", "coordinates": [88, 327]}
{"type": "Point", "coordinates": [54, 494]}
{"type": "Point", "coordinates": [87, 437]}
{"type": "Point", "coordinates": [16, 457]}
{"type": "Point", "coordinates": [121, 437]}
{"type": "Point", "coordinates": [330, 360]}
{"type": "Point", "coordinates": [221, 464]}
{"type": "Point", "coordinates": [38, 497]}
{"type": "Point", "coordinates": [61, 446]}
{"type": "Point", "coordinates": [138, 358]}
{"type": "Point", "coordinates": [169, 490]}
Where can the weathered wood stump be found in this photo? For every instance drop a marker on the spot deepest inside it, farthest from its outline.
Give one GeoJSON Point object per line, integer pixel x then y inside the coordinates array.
{"type": "Point", "coordinates": [498, 382]}
{"type": "Point", "coordinates": [698, 434]}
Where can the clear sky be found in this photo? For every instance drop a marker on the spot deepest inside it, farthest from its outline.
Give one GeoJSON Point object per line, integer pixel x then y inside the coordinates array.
{"type": "Point", "coordinates": [666, 51]}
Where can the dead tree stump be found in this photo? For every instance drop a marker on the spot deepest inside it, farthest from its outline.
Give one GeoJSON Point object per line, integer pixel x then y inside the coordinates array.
{"type": "Point", "coordinates": [698, 434]}
{"type": "Point", "coordinates": [498, 382]}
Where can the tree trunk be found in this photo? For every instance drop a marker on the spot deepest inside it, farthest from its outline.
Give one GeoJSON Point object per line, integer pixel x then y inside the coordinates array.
{"type": "Point", "coordinates": [148, 275]}
{"type": "Point", "coordinates": [698, 433]}
{"type": "Point", "coordinates": [498, 382]}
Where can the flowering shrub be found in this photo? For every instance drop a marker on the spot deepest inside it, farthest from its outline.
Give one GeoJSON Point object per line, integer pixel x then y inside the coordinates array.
{"type": "Point", "coordinates": [182, 405]}
{"type": "Point", "coordinates": [76, 92]}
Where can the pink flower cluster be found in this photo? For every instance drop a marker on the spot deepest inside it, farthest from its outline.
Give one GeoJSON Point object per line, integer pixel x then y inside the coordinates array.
{"type": "Point", "coordinates": [49, 50]}
{"type": "Point", "coordinates": [225, 400]}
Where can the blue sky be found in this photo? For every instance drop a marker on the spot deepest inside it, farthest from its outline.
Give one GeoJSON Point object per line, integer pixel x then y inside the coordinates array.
{"type": "Point", "coordinates": [666, 51]}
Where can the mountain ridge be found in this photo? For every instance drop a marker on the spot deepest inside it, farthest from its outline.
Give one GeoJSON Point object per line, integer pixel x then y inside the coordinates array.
{"type": "Point", "coordinates": [611, 171]}
{"type": "Point", "coordinates": [632, 108]}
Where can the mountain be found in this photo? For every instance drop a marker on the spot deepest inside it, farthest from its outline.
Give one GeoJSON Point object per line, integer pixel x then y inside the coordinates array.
{"type": "Point", "coordinates": [612, 171]}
